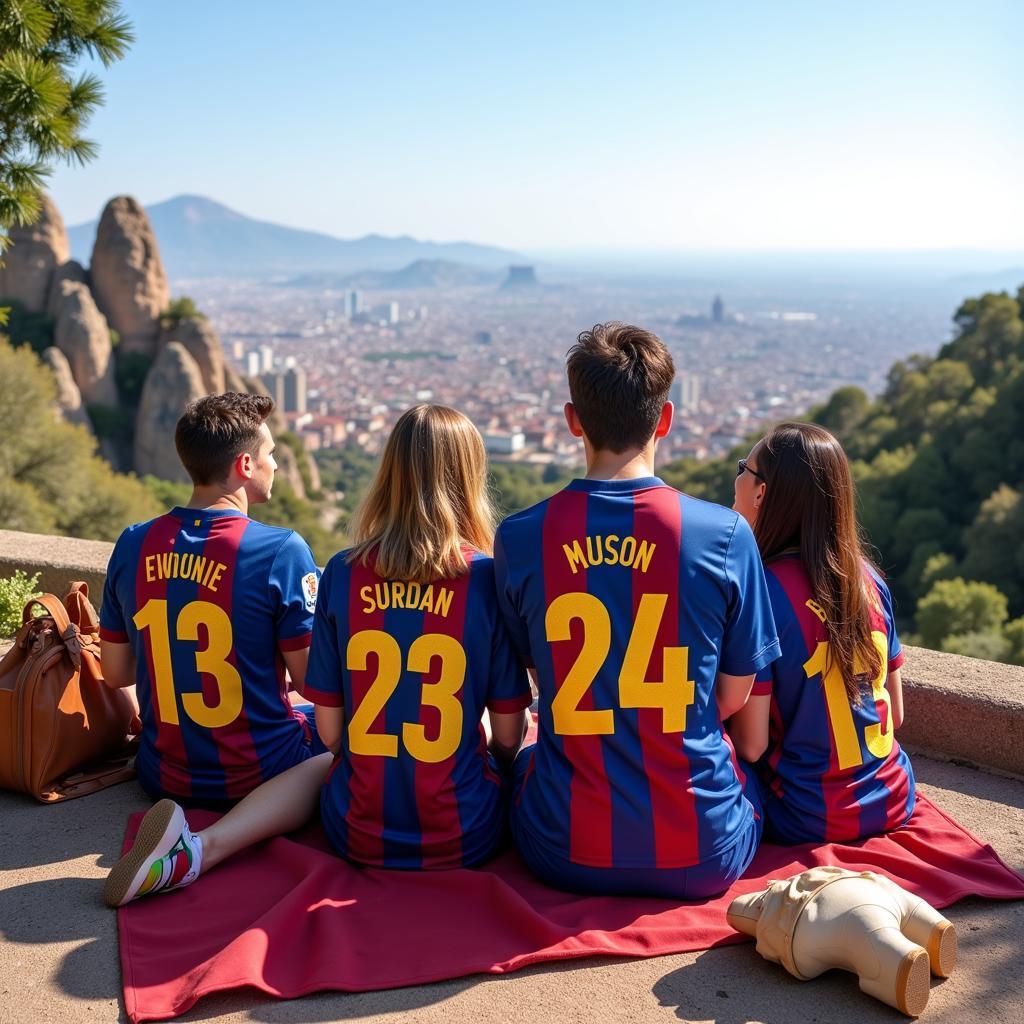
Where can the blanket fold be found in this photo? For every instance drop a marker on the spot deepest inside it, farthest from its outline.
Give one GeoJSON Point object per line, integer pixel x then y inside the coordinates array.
{"type": "Point", "coordinates": [289, 918]}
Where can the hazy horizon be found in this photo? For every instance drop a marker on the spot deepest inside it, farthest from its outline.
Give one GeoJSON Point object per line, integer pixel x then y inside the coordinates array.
{"type": "Point", "coordinates": [570, 126]}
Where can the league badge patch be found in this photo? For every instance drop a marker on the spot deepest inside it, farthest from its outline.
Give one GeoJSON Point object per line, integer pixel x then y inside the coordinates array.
{"type": "Point", "coordinates": [310, 582]}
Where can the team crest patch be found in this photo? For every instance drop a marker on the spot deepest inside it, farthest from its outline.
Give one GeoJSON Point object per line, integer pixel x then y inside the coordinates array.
{"type": "Point", "coordinates": [310, 582]}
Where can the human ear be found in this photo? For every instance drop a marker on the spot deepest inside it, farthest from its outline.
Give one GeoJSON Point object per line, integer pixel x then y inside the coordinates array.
{"type": "Point", "coordinates": [244, 465]}
{"type": "Point", "coordinates": [573, 420]}
{"type": "Point", "coordinates": [664, 420]}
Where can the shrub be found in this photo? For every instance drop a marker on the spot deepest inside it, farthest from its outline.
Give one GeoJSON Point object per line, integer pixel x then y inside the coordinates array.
{"type": "Point", "coordinates": [15, 592]}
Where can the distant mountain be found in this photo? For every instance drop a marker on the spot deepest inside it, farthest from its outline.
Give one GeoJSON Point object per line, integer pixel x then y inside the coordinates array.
{"type": "Point", "coordinates": [202, 238]}
{"type": "Point", "coordinates": [418, 274]}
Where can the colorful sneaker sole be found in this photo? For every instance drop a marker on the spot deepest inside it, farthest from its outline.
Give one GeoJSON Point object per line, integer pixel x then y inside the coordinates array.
{"type": "Point", "coordinates": [158, 832]}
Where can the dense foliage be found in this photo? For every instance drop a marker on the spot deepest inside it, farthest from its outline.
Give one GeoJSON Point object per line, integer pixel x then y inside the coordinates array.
{"type": "Point", "coordinates": [51, 479]}
{"type": "Point", "coordinates": [939, 463]}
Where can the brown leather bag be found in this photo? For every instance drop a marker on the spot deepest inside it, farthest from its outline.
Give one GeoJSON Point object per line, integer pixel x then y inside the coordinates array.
{"type": "Point", "coordinates": [63, 732]}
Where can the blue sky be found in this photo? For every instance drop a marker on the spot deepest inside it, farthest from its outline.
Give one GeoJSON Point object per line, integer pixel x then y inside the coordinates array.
{"type": "Point", "coordinates": [675, 125]}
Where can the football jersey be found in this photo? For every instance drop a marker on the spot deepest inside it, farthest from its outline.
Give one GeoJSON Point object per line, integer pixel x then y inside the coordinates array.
{"type": "Point", "coordinates": [833, 770]}
{"type": "Point", "coordinates": [628, 598]}
{"type": "Point", "coordinates": [209, 600]}
{"type": "Point", "coordinates": [413, 665]}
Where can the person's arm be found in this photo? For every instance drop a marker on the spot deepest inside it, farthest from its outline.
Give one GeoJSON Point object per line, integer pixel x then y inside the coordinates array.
{"type": "Point", "coordinates": [507, 734]}
{"type": "Point", "coordinates": [894, 686]}
{"type": "Point", "coordinates": [296, 662]}
{"type": "Point", "coordinates": [732, 693]}
{"type": "Point", "coordinates": [118, 661]}
{"type": "Point", "coordinates": [748, 727]}
{"type": "Point", "coordinates": [329, 723]}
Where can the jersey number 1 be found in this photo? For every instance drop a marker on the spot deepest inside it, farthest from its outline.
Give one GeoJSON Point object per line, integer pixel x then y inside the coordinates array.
{"type": "Point", "coordinates": [877, 738]}
{"type": "Point", "coordinates": [211, 660]}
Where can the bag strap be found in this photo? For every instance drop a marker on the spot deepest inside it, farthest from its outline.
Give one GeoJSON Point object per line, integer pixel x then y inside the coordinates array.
{"type": "Point", "coordinates": [80, 609]}
{"type": "Point", "coordinates": [53, 606]}
{"type": "Point", "coordinates": [112, 773]}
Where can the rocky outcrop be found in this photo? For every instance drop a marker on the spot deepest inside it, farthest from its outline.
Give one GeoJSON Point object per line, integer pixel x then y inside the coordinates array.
{"type": "Point", "coordinates": [69, 398]}
{"type": "Point", "coordinates": [173, 382]}
{"type": "Point", "coordinates": [201, 342]}
{"type": "Point", "coordinates": [128, 276]}
{"type": "Point", "coordinates": [70, 272]}
{"type": "Point", "coordinates": [233, 380]}
{"type": "Point", "coordinates": [83, 336]}
{"type": "Point", "coordinates": [35, 252]}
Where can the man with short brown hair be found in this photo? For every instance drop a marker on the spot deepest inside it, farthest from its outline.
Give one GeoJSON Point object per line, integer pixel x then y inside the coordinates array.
{"type": "Point", "coordinates": [645, 615]}
{"type": "Point", "coordinates": [204, 608]}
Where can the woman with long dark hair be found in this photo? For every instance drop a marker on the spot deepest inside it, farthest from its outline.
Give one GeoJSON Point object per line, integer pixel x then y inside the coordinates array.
{"type": "Point", "coordinates": [828, 708]}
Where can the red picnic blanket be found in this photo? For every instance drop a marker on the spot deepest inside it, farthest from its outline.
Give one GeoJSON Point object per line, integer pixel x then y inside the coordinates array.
{"type": "Point", "coordinates": [289, 917]}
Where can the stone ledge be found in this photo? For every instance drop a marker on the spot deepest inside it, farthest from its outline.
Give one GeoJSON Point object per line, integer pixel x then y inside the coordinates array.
{"type": "Point", "coordinates": [964, 709]}
{"type": "Point", "coordinates": [58, 560]}
{"type": "Point", "coordinates": [956, 708]}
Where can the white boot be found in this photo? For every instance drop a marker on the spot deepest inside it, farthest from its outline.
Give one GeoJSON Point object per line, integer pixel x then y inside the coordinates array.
{"type": "Point", "coordinates": [829, 917]}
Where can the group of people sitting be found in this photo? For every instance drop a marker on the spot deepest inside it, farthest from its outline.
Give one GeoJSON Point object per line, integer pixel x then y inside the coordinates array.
{"type": "Point", "coordinates": [705, 677]}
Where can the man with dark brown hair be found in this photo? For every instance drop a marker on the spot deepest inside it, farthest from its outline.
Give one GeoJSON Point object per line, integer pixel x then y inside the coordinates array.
{"type": "Point", "coordinates": [204, 608]}
{"type": "Point", "coordinates": [645, 615]}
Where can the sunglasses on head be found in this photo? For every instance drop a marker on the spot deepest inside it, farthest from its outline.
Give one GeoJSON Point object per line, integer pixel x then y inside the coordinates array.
{"type": "Point", "coordinates": [742, 467]}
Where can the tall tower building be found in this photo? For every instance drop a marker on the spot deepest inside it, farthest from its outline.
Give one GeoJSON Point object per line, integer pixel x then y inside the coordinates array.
{"type": "Point", "coordinates": [266, 359]}
{"type": "Point", "coordinates": [294, 389]}
{"type": "Point", "coordinates": [252, 363]}
{"type": "Point", "coordinates": [353, 303]}
{"type": "Point", "coordinates": [717, 310]}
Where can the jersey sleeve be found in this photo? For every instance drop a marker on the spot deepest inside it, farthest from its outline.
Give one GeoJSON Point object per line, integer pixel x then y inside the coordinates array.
{"type": "Point", "coordinates": [509, 687]}
{"type": "Point", "coordinates": [294, 582]}
{"type": "Point", "coordinates": [113, 628]}
{"type": "Point", "coordinates": [323, 671]}
{"type": "Point", "coordinates": [508, 603]}
{"type": "Point", "coordinates": [895, 647]}
{"type": "Point", "coordinates": [750, 642]}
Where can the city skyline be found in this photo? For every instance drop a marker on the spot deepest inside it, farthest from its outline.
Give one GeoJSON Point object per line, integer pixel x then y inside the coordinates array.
{"type": "Point", "coordinates": [562, 126]}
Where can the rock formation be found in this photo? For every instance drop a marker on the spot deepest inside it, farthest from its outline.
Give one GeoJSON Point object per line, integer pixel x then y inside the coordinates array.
{"type": "Point", "coordinates": [70, 272]}
{"type": "Point", "coordinates": [169, 362]}
{"type": "Point", "coordinates": [69, 398]}
{"type": "Point", "coordinates": [128, 276]}
{"type": "Point", "coordinates": [35, 252]}
{"type": "Point", "coordinates": [173, 382]}
{"type": "Point", "coordinates": [202, 344]}
{"type": "Point", "coordinates": [83, 336]}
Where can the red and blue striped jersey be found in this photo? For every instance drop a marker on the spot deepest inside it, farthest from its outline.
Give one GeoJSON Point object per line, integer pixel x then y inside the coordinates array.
{"type": "Point", "coordinates": [209, 599]}
{"type": "Point", "coordinates": [628, 598]}
{"type": "Point", "coordinates": [413, 665]}
{"type": "Point", "coordinates": [833, 771]}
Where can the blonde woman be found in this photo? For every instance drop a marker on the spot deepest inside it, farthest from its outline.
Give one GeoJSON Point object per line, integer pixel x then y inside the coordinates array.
{"type": "Point", "coordinates": [408, 650]}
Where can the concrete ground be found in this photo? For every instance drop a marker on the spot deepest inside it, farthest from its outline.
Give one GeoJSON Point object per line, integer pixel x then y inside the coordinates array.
{"type": "Point", "coordinates": [59, 962]}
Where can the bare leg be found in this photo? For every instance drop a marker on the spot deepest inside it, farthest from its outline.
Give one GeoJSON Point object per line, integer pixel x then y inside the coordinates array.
{"type": "Point", "coordinates": [281, 805]}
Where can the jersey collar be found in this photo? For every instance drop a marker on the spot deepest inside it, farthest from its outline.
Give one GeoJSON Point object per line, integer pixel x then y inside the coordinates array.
{"type": "Point", "coordinates": [640, 483]}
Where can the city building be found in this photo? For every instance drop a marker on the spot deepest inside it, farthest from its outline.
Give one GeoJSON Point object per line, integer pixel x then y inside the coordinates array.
{"type": "Point", "coordinates": [353, 303]}
{"type": "Point", "coordinates": [294, 389]}
{"type": "Point", "coordinates": [266, 359]}
{"type": "Point", "coordinates": [274, 383]}
{"type": "Point", "coordinates": [717, 310]}
{"type": "Point", "coordinates": [252, 364]}
{"type": "Point", "coordinates": [504, 442]}
{"type": "Point", "coordinates": [685, 393]}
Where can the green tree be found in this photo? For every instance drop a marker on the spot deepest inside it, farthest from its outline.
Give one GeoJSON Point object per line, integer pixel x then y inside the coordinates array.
{"type": "Point", "coordinates": [994, 544]}
{"type": "Point", "coordinates": [180, 309]}
{"type": "Point", "coordinates": [44, 104]}
{"type": "Point", "coordinates": [956, 607]}
{"type": "Point", "coordinates": [51, 480]}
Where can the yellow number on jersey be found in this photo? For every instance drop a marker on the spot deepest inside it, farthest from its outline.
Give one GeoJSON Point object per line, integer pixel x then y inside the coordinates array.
{"type": "Point", "coordinates": [673, 693]}
{"type": "Point", "coordinates": [211, 660]}
{"type": "Point", "coordinates": [877, 738]}
{"type": "Point", "coordinates": [442, 695]}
